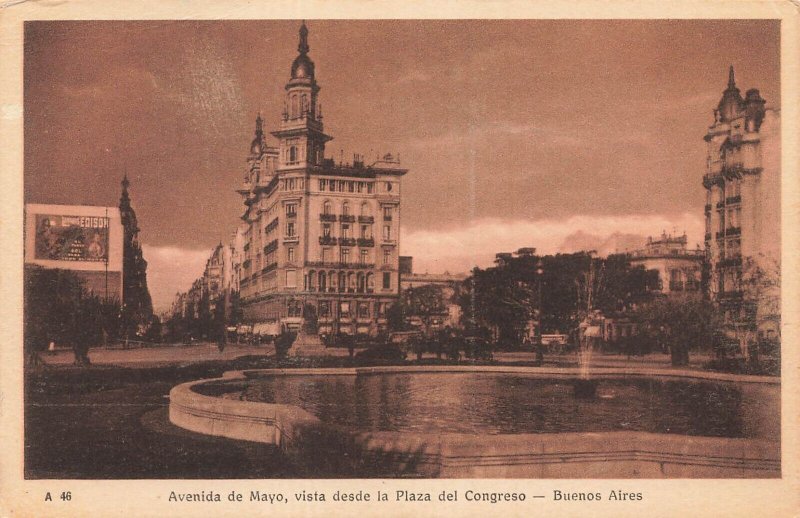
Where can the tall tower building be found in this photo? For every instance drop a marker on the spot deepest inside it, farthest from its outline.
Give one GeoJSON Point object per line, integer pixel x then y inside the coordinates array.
{"type": "Point", "coordinates": [137, 304]}
{"type": "Point", "coordinates": [742, 211]}
{"type": "Point", "coordinates": [321, 238]}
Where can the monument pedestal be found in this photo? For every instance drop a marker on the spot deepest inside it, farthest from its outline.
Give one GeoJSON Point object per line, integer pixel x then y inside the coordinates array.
{"type": "Point", "coordinates": [307, 344]}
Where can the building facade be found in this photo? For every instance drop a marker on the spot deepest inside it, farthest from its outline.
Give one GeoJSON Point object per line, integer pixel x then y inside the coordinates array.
{"type": "Point", "coordinates": [319, 237]}
{"type": "Point", "coordinates": [742, 211]}
{"type": "Point", "coordinates": [679, 268]}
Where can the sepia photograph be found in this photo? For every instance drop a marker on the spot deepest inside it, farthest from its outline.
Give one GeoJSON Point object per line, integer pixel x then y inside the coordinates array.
{"type": "Point", "coordinates": [506, 249]}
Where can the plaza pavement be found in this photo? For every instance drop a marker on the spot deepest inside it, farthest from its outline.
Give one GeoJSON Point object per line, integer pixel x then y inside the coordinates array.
{"type": "Point", "coordinates": [179, 354]}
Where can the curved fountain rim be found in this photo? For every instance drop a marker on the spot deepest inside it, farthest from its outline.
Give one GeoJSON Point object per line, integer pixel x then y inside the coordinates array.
{"type": "Point", "coordinates": [543, 372]}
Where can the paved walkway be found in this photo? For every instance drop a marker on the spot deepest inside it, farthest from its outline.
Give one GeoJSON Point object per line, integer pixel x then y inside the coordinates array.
{"type": "Point", "coordinates": [163, 355]}
{"type": "Point", "coordinates": [205, 351]}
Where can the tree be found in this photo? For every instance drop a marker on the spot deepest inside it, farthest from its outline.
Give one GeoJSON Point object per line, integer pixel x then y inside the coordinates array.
{"type": "Point", "coordinates": [425, 302]}
{"type": "Point", "coordinates": [58, 309]}
{"type": "Point", "coordinates": [761, 304]}
{"type": "Point", "coordinates": [680, 323]}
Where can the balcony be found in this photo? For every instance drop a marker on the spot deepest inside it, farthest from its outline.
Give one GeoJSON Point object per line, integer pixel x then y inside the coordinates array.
{"type": "Point", "coordinates": [730, 261]}
{"type": "Point", "coordinates": [733, 199]}
{"type": "Point", "coordinates": [340, 265]}
{"type": "Point", "coordinates": [327, 217]}
{"type": "Point", "coordinates": [327, 240]}
{"type": "Point", "coordinates": [366, 242]}
{"type": "Point", "coordinates": [347, 218]}
{"type": "Point", "coordinates": [366, 219]}
{"type": "Point", "coordinates": [271, 246]}
{"type": "Point", "coordinates": [712, 179]}
{"type": "Point", "coordinates": [268, 268]}
{"type": "Point", "coordinates": [707, 208]}
{"type": "Point", "coordinates": [733, 231]}
{"type": "Point", "coordinates": [347, 241]}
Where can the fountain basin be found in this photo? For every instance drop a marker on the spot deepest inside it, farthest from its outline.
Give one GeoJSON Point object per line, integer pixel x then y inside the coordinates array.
{"type": "Point", "coordinates": [453, 421]}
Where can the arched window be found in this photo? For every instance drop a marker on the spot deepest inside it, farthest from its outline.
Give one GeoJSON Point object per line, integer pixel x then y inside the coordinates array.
{"type": "Point", "coordinates": [303, 104]}
{"type": "Point", "coordinates": [365, 209]}
{"type": "Point", "coordinates": [326, 207]}
{"type": "Point", "coordinates": [323, 281]}
{"type": "Point", "coordinates": [294, 106]}
{"type": "Point", "coordinates": [342, 281]}
{"type": "Point", "coordinates": [292, 154]}
{"type": "Point", "coordinates": [361, 283]}
{"type": "Point", "coordinates": [312, 280]}
{"type": "Point", "coordinates": [345, 209]}
{"type": "Point", "coordinates": [370, 283]}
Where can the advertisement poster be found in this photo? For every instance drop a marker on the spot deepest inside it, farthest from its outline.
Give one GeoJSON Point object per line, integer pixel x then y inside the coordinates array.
{"type": "Point", "coordinates": [71, 238]}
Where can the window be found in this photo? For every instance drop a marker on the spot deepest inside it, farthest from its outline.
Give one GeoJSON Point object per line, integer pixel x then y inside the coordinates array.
{"type": "Point", "coordinates": [290, 254]}
{"type": "Point", "coordinates": [370, 283]}
{"type": "Point", "coordinates": [323, 184]}
{"type": "Point", "coordinates": [351, 186]}
{"type": "Point", "coordinates": [360, 186]}
{"type": "Point", "coordinates": [387, 280]}
{"type": "Point", "coordinates": [363, 310]}
{"type": "Point", "coordinates": [364, 231]}
{"type": "Point", "coordinates": [387, 213]}
{"type": "Point", "coordinates": [381, 308]}
{"type": "Point", "coordinates": [324, 309]}
{"type": "Point", "coordinates": [364, 256]}
{"type": "Point", "coordinates": [345, 209]}
{"type": "Point", "coordinates": [303, 104]}
{"type": "Point", "coordinates": [292, 154]}
{"type": "Point", "coordinates": [344, 309]}
{"type": "Point", "coordinates": [389, 186]}
{"type": "Point", "coordinates": [290, 229]}
{"type": "Point", "coordinates": [326, 255]}
{"type": "Point", "coordinates": [294, 308]}
{"type": "Point", "coordinates": [345, 255]}
{"type": "Point", "coordinates": [326, 230]}
{"type": "Point", "coordinates": [291, 278]}
{"type": "Point", "coordinates": [291, 210]}
{"type": "Point", "coordinates": [326, 207]}
{"type": "Point", "coordinates": [323, 281]}
{"type": "Point", "coordinates": [387, 256]}
{"type": "Point", "coordinates": [387, 232]}
{"type": "Point", "coordinates": [345, 230]}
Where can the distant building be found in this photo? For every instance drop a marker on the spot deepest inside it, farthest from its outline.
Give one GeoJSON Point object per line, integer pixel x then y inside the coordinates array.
{"type": "Point", "coordinates": [317, 234]}
{"type": "Point", "coordinates": [450, 285]}
{"type": "Point", "coordinates": [679, 269]}
{"type": "Point", "coordinates": [87, 240]}
{"type": "Point", "coordinates": [406, 265]}
{"type": "Point", "coordinates": [742, 211]}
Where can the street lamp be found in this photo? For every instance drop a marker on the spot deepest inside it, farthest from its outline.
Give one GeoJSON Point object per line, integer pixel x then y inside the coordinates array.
{"type": "Point", "coordinates": [538, 330]}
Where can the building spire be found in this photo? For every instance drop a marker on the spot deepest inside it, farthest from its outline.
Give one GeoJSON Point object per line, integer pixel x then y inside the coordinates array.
{"type": "Point", "coordinates": [259, 125]}
{"type": "Point", "coordinates": [303, 47]}
{"type": "Point", "coordinates": [731, 80]}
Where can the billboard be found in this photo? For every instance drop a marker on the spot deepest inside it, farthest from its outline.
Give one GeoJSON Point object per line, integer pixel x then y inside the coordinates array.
{"type": "Point", "coordinates": [71, 238]}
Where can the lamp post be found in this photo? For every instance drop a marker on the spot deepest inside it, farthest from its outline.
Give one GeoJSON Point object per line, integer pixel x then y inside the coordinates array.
{"type": "Point", "coordinates": [538, 330]}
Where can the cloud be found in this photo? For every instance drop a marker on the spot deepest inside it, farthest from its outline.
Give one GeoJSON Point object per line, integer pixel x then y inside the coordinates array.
{"type": "Point", "coordinates": [476, 244]}
{"type": "Point", "coordinates": [170, 270]}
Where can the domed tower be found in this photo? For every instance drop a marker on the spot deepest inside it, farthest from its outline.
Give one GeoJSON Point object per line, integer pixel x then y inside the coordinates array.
{"type": "Point", "coordinates": [730, 106]}
{"type": "Point", "coordinates": [302, 140]}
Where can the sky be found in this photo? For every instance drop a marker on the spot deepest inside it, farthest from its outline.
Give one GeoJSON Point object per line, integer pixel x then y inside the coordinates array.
{"type": "Point", "coordinates": [561, 135]}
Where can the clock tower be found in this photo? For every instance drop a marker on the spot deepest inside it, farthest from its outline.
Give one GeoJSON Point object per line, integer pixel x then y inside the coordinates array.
{"type": "Point", "coordinates": [302, 140]}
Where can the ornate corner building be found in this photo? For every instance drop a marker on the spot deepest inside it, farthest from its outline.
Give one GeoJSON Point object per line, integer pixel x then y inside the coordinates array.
{"type": "Point", "coordinates": [742, 211]}
{"type": "Point", "coordinates": [317, 235]}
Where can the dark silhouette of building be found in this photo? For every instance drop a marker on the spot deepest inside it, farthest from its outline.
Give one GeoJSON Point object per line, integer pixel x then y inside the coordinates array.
{"type": "Point", "coordinates": [137, 309]}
